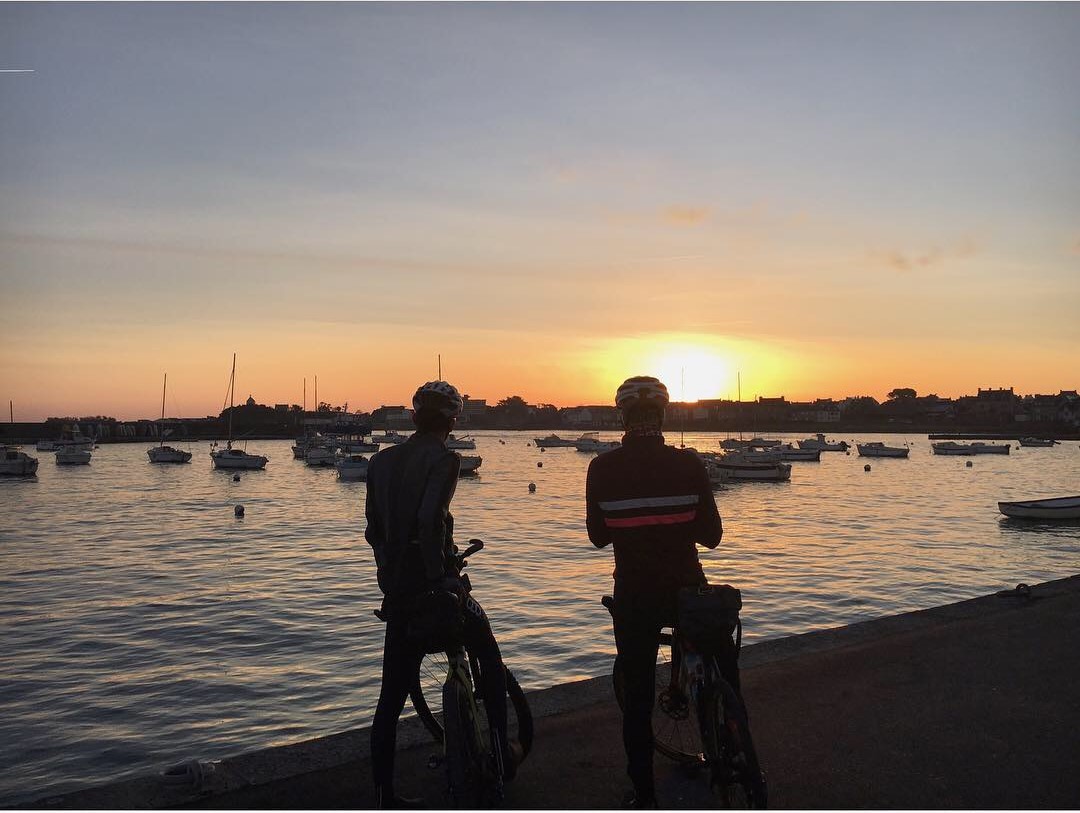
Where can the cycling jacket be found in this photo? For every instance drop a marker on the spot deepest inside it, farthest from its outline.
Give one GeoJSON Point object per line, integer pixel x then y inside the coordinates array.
{"type": "Point", "coordinates": [653, 503]}
{"type": "Point", "coordinates": [409, 525]}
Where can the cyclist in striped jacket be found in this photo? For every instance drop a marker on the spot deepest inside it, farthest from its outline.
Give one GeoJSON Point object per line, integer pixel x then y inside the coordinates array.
{"type": "Point", "coordinates": [653, 504]}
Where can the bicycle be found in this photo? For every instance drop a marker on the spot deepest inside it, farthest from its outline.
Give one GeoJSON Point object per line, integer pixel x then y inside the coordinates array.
{"type": "Point", "coordinates": [473, 778]}
{"type": "Point", "coordinates": [698, 716]}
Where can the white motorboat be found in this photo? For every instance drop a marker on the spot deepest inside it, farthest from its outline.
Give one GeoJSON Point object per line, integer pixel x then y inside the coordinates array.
{"type": "Point", "coordinates": [948, 447]}
{"type": "Point", "coordinates": [72, 457]}
{"type": "Point", "coordinates": [879, 449]}
{"type": "Point", "coordinates": [17, 463]}
{"type": "Point", "coordinates": [352, 467]}
{"type": "Point", "coordinates": [738, 467]}
{"type": "Point", "coordinates": [590, 442]}
{"type": "Point", "coordinates": [469, 463]}
{"type": "Point", "coordinates": [357, 445]}
{"type": "Point", "coordinates": [460, 443]}
{"type": "Point", "coordinates": [1053, 508]}
{"type": "Point", "coordinates": [320, 456]}
{"type": "Point", "coordinates": [389, 436]}
{"type": "Point", "coordinates": [1037, 442]}
{"type": "Point", "coordinates": [734, 444]}
{"type": "Point", "coordinates": [821, 444]}
{"type": "Point", "coordinates": [789, 452]}
{"type": "Point", "coordinates": [74, 439]}
{"type": "Point", "coordinates": [46, 445]}
{"type": "Point", "coordinates": [989, 448]}
{"type": "Point", "coordinates": [230, 458]}
{"type": "Point", "coordinates": [162, 453]}
{"type": "Point", "coordinates": [553, 442]}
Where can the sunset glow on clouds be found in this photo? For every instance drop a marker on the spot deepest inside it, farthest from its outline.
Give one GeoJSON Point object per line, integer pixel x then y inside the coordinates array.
{"type": "Point", "coordinates": [829, 200]}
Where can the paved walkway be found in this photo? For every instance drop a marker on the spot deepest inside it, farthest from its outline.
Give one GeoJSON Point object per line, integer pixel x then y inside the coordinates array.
{"type": "Point", "coordinates": [973, 705]}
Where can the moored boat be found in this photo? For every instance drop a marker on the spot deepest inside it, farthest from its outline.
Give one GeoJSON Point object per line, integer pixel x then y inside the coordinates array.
{"type": "Point", "coordinates": [470, 463]}
{"type": "Point", "coordinates": [821, 444]}
{"type": "Point", "coordinates": [230, 458]}
{"type": "Point", "coordinates": [17, 463]}
{"type": "Point", "coordinates": [460, 443]}
{"type": "Point", "coordinates": [951, 447]}
{"type": "Point", "coordinates": [73, 457]}
{"type": "Point", "coordinates": [590, 442]}
{"type": "Point", "coordinates": [352, 467]}
{"type": "Point", "coordinates": [162, 453]}
{"type": "Point", "coordinates": [737, 466]}
{"type": "Point", "coordinates": [320, 456]}
{"type": "Point", "coordinates": [553, 442]}
{"type": "Point", "coordinates": [1052, 508]}
{"type": "Point", "coordinates": [389, 436]}
{"type": "Point", "coordinates": [45, 445]}
{"type": "Point", "coordinates": [989, 448]}
{"type": "Point", "coordinates": [879, 449]}
{"type": "Point", "coordinates": [1037, 442]}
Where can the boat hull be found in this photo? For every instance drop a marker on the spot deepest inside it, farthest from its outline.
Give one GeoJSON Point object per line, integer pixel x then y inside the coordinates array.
{"type": "Point", "coordinates": [470, 464]}
{"type": "Point", "coordinates": [885, 451]}
{"type": "Point", "coordinates": [1036, 442]}
{"type": "Point", "coordinates": [18, 464]}
{"type": "Point", "coordinates": [73, 457]}
{"type": "Point", "coordinates": [166, 454]}
{"type": "Point", "coordinates": [1052, 509]}
{"type": "Point", "coordinates": [245, 461]}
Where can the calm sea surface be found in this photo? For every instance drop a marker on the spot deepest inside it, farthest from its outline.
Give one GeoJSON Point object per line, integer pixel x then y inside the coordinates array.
{"type": "Point", "coordinates": [144, 625]}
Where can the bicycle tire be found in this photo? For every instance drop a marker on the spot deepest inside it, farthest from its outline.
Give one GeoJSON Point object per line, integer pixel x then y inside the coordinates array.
{"type": "Point", "coordinates": [464, 755]}
{"type": "Point", "coordinates": [736, 773]}
{"type": "Point", "coordinates": [433, 670]}
{"type": "Point", "coordinates": [677, 738]}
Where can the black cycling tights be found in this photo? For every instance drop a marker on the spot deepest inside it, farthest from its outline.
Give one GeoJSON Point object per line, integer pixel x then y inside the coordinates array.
{"type": "Point", "coordinates": [401, 664]}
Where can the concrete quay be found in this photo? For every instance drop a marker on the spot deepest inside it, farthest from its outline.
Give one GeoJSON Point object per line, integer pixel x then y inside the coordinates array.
{"type": "Point", "coordinates": [970, 705]}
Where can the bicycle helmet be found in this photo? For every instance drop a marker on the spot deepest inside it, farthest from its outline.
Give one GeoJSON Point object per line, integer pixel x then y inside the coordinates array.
{"type": "Point", "coordinates": [639, 391]}
{"type": "Point", "coordinates": [439, 396]}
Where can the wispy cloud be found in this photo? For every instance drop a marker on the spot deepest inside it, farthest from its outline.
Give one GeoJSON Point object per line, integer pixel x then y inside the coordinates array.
{"type": "Point", "coordinates": [907, 260]}
{"type": "Point", "coordinates": [680, 215]}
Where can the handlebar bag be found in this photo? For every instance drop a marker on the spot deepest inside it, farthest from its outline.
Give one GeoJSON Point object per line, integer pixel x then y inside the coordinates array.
{"type": "Point", "coordinates": [436, 622]}
{"type": "Point", "coordinates": [708, 615]}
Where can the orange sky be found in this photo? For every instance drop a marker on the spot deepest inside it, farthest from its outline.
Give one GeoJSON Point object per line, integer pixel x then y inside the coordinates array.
{"type": "Point", "coordinates": [832, 199]}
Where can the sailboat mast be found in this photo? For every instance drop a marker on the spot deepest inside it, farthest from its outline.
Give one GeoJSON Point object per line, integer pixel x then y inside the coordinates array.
{"type": "Point", "coordinates": [440, 366]}
{"type": "Point", "coordinates": [305, 393]}
{"type": "Point", "coordinates": [161, 429]}
{"type": "Point", "coordinates": [232, 393]}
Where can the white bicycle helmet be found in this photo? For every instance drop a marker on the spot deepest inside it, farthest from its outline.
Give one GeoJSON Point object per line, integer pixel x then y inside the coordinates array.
{"type": "Point", "coordinates": [641, 389]}
{"type": "Point", "coordinates": [440, 396]}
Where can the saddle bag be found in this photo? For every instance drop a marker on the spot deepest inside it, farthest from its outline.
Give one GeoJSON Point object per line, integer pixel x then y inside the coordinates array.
{"type": "Point", "coordinates": [435, 621]}
{"type": "Point", "coordinates": [709, 616]}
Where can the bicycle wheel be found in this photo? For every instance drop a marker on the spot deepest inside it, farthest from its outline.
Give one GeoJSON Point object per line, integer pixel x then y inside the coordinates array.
{"type": "Point", "coordinates": [736, 774]}
{"type": "Point", "coordinates": [676, 733]}
{"type": "Point", "coordinates": [464, 755]}
{"type": "Point", "coordinates": [433, 669]}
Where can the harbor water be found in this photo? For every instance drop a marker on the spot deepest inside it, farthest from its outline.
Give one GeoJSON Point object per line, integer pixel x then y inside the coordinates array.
{"type": "Point", "coordinates": [145, 624]}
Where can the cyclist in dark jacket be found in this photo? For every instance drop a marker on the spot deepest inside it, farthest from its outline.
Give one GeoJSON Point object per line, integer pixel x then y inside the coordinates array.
{"type": "Point", "coordinates": [653, 503]}
{"type": "Point", "coordinates": [410, 529]}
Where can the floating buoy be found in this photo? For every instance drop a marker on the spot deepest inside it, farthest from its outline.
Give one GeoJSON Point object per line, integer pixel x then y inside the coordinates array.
{"type": "Point", "coordinates": [503, 442]}
{"type": "Point", "coordinates": [539, 464]}
{"type": "Point", "coordinates": [238, 510]}
{"type": "Point", "coordinates": [866, 467]}
{"type": "Point", "coordinates": [542, 450]}
{"type": "Point", "coordinates": [532, 488]}
{"type": "Point", "coordinates": [236, 478]}
{"type": "Point", "coordinates": [848, 454]}
{"type": "Point", "coordinates": [968, 464]}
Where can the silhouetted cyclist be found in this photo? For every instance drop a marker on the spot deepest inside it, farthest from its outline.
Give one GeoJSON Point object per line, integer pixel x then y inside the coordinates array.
{"type": "Point", "coordinates": [410, 528]}
{"type": "Point", "coordinates": [652, 503]}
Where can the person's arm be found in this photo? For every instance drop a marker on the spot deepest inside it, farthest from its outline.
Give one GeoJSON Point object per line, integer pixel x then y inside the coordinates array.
{"type": "Point", "coordinates": [710, 529]}
{"type": "Point", "coordinates": [433, 516]}
{"type": "Point", "coordinates": [373, 533]}
{"type": "Point", "coordinates": [594, 516]}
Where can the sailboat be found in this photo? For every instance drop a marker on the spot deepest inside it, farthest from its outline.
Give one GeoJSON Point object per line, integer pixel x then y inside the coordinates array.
{"type": "Point", "coordinates": [162, 453]}
{"type": "Point", "coordinates": [230, 458]}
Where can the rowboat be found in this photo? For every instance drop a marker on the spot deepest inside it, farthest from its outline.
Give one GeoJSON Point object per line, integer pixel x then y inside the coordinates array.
{"type": "Point", "coordinates": [1053, 508]}
{"type": "Point", "coordinates": [470, 463]}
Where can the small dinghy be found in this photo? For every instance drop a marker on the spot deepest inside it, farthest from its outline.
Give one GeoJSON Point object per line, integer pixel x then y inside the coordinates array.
{"type": "Point", "coordinates": [1055, 508]}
